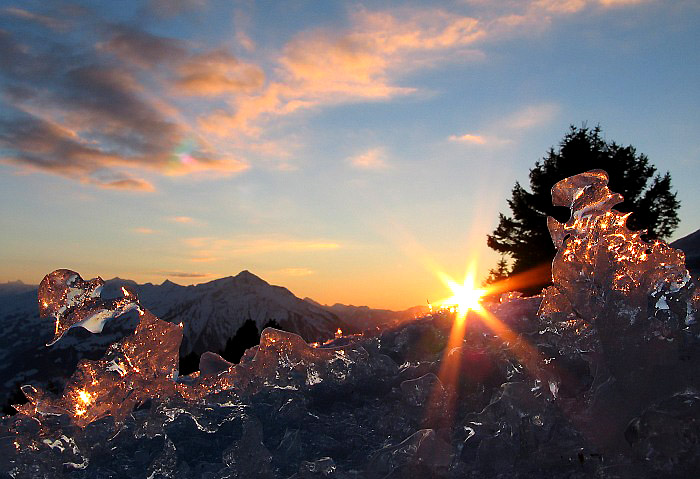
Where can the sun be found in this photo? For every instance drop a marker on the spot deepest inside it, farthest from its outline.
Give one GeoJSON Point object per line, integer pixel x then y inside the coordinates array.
{"type": "Point", "coordinates": [465, 296]}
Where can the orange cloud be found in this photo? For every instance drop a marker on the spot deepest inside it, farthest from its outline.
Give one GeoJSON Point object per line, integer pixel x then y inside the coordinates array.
{"type": "Point", "coordinates": [296, 272]}
{"type": "Point", "coordinates": [370, 160]}
{"type": "Point", "coordinates": [621, 3]}
{"type": "Point", "coordinates": [327, 67]}
{"type": "Point", "coordinates": [134, 184]}
{"type": "Point", "coordinates": [469, 138]}
{"type": "Point", "coordinates": [181, 219]}
{"type": "Point", "coordinates": [561, 6]}
{"type": "Point", "coordinates": [217, 72]}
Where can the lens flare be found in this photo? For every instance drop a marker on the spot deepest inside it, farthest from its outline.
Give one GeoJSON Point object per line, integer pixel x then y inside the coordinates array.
{"type": "Point", "coordinates": [465, 297]}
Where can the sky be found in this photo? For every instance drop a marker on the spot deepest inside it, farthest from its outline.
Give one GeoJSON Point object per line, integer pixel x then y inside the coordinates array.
{"type": "Point", "coordinates": [349, 151]}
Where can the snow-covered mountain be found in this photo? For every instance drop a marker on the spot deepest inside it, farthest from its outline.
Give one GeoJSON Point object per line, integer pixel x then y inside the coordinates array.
{"type": "Point", "coordinates": [213, 312]}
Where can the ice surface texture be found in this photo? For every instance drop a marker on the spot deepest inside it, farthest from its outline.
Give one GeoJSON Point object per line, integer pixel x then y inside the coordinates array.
{"type": "Point", "coordinates": [598, 377]}
{"type": "Point", "coordinates": [71, 301]}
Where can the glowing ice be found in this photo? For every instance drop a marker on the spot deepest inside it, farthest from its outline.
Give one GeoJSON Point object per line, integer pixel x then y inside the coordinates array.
{"type": "Point", "coordinates": [599, 258]}
{"type": "Point", "coordinates": [72, 302]}
{"type": "Point", "coordinates": [138, 367]}
{"type": "Point", "coordinates": [635, 298]}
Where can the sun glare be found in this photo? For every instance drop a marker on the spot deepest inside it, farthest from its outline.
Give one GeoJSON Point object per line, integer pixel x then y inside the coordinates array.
{"type": "Point", "coordinates": [465, 296]}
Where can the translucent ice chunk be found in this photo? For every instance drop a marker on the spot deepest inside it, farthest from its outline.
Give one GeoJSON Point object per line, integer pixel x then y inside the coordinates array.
{"type": "Point", "coordinates": [597, 254]}
{"type": "Point", "coordinates": [612, 288]}
{"type": "Point", "coordinates": [72, 302]}
{"type": "Point", "coordinates": [139, 367]}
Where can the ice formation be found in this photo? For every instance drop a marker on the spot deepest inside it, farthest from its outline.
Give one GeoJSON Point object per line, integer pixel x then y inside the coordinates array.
{"type": "Point", "coordinates": [137, 368]}
{"type": "Point", "coordinates": [72, 302]}
{"type": "Point", "coordinates": [597, 377]}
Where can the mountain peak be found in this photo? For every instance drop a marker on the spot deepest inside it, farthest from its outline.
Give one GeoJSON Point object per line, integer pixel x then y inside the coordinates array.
{"type": "Point", "coordinates": [246, 277]}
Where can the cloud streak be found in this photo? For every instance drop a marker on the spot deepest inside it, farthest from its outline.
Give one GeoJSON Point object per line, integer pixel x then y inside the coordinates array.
{"type": "Point", "coordinates": [182, 219]}
{"type": "Point", "coordinates": [180, 274]}
{"type": "Point", "coordinates": [501, 131]}
{"type": "Point", "coordinates": [209, 249]}
{"type": "Point", "coordinates": [468, 138]}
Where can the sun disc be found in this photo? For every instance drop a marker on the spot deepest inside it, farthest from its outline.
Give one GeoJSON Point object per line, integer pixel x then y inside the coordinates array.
{"type": "Point", "coordinates": [465, 296]}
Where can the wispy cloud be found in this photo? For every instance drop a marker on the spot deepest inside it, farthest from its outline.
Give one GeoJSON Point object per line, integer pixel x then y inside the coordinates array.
{"type": "Point", "coordinates": [622, 3]}
{"type": "Point", "coordinates": [468, 138]}
{"type": "Point", "coordinates": [322, 66]}
{"type": "Point", "coordinates": [208, 249]}
{"type": "Point", "coordinates": [531, 116]}
{"type": "Point", "coordinates": [216, 73]}
{"type": "Point", "coordinates": [372, 159]}
{"type": "Point", "coordinates": [181, 219]}
{"type": "Point", "coordinates": [45, 20]}
{"type": "Point", "coordinates": [181, 274]}
{"type": "Point", "coordinates": [501, 131]}
{"type": "Point", "coordinates": [294, 272]}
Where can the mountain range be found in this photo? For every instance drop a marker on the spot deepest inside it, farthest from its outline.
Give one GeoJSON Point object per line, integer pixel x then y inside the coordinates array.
{"type": "Point", "coordinates": [216, 316]}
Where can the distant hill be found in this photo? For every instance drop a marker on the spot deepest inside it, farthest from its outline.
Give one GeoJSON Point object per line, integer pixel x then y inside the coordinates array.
{"type": "Point", "coordinates": [12, 288]}
{"type": "Point", "coordinates": [690, 245]}
{"type": "Point", "coordinates": [364, 317]}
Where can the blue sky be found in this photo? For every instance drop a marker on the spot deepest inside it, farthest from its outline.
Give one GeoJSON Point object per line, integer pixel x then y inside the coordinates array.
{"type": "Point", "coordinates": [345, 150]}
